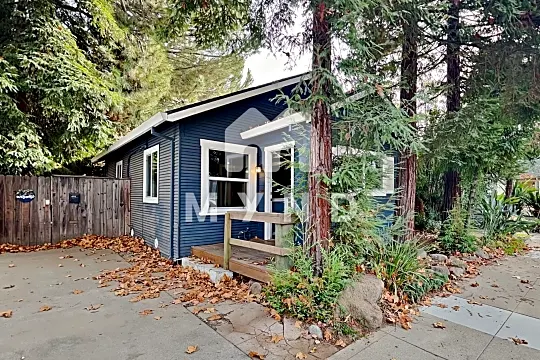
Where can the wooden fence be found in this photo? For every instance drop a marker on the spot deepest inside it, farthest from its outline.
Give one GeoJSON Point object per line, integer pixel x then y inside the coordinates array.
{"type": "Point", "coordinates": [38, 210]}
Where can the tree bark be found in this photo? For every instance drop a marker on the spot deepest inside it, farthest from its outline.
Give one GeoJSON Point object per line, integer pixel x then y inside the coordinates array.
{"type": "Point", "coordinates": [407, 160]}
{"type": "Point", "coordinates": [320, 165]}
{"type": "Point", "coordinates": [509, 188]}
{"type": "Point", "coordinates": [453, 99]}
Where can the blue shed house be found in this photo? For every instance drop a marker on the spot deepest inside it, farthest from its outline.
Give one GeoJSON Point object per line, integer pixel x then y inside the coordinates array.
{"type": "Point", "coordinates": [189, 166]}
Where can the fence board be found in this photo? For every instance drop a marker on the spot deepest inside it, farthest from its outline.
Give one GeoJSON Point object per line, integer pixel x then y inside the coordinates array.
{"type": "Point", "coordinates": [104, 209]}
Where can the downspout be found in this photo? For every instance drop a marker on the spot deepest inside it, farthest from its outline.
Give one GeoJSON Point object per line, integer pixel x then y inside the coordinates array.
{"type": "Point", "coordinates": [153, 132]}
{"type": "Point", "coordinates": [179, 191]}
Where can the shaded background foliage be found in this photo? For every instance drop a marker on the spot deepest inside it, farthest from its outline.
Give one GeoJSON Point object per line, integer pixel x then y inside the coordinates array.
{"type": "Point", "coordinates": [75, 75]}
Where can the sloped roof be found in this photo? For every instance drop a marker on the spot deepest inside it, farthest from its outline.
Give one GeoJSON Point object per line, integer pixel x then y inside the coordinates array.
{"type": "Point", "coordinates": [197, 108]}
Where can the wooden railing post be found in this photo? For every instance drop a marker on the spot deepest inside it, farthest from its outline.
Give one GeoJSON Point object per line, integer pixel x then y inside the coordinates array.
{"type": "Point", "coordinates": [227, 241]}
{"type": "Point", "coordinates": [282, 241]}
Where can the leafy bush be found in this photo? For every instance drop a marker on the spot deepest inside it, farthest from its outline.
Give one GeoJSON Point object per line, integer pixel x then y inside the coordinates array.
{"type": "Point", "coordinates": [532, 201]}
{"type": "Point", "coordinates": [498, 218]}
{"type": "Point", "coordinates": [512, 245]}
{"type": "Point", "coordinates": [423, 283]}
{"type": "Point", "coordinates": [455, 236]}
{"type": "Point", "coordinates": [299, 293]}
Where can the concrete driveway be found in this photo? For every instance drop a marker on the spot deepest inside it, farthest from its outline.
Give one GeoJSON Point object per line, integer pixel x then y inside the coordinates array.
{"type": "Point", "coordinates": [72, 330]}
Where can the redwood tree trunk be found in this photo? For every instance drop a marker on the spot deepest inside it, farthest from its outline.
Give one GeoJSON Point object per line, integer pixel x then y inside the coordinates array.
{"type": "Point", "coordinates": [453, 99]}
{"type": "Point", "coordinates": [320, 165]}
{"type": "Point", "coordinates": [408, 160]}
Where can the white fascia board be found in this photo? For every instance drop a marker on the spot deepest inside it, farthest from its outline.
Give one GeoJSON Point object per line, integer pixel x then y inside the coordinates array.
{"type": "Point", "coordinates": [231, 99]}
{"type": "Point", "coordinates": [140, 130]}
{"type": "Point", "coordinates": [275, 125]}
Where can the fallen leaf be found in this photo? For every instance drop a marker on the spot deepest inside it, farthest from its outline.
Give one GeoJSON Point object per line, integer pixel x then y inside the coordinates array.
{"type": "Point", "coordinates": [300, 355]}
{"type": "Point", "coordinates": [340, 343]}
{"type": "Point", "coordinates": [439, 325]}
{"type": "Point", "coordinates": [157, 317]}
{"type": "Point", "coordinates": [256, 355]}
{"type": "Point", "coordinates": [275, 315]}
{"type": "Point", "coordinates": [93, 307]}
{"type": "Point", "coordinates": [483, 297]}
{"type": "Point", "coordinates": [6, 314]}
{"type": "Point", "coordinates": [276, 338]}
{"type": "Point", "coordinates": [455, 308]}
{"type": "Point", "coordinates": [313, 351]}
{"type": "Point", "coordinates": [327, 335]}
{"type": "Point", "coordinates": [82, 265]}
{"type": "Point", "coordinates": [298, 324]}
{"type": "Point", "coordinates": [516, 277]}
{"type": "Point", "coordinates": [214, 317]}
{"type": "Point", "coordinates": [473, 302]}
{"type": "Point", "coordinates": [77, 292]}
{"type": "Point", "coordinates": [8, 287]}
{"type": "Point", "coordinates": [442, 306]}
{"type": "Point", "coordinates": [519, 341]}
{"type": "Point", "coordinates": [45, 308]}
{"type": "Point", "coordinates": [146, 312]}
{"type": "Point", "coordinates": [475, 284]}
{"type": "Point", "coordinates": [11, 265]}
{"type": "Point", "coordinates": [60, 265]}
{"type": "Point", "coordinates": [494, 285]}
{"type": "Point", "coordinates": [191, 349]}
{"type": "Point", "coordinates": [525, 281]}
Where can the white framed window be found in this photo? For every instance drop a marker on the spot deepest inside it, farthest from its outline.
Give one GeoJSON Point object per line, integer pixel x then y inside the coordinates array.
{"type": "Point", "coordinates": [228, 177]}
{"type": "Point", "coordinates": [119, 167]}
{"type": "Point", "coordinates": [151, 175]}
{"type": "Point", "coordinates": [385, 166]}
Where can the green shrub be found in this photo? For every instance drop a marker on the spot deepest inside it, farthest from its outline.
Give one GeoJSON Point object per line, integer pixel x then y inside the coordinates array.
{"type": "Point", "coordinates": [299, 293]}
{"type": "Point", "coordinates": [455, 236]}
{"type": "Point", "coordinates": [512, 245]}
{"type": "Point", "coordinates": [498, 218]}
{"type": "Point", "coordinates": [423, 283]}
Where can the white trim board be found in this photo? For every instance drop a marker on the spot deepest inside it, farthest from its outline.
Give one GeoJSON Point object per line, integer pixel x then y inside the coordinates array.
{"type": "Point", "coordinates": [161, 117]}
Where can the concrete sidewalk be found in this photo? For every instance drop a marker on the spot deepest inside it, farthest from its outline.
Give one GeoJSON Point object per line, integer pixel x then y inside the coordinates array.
{"type": "Point", "coordinates": [114, 330]}
{"type": "Point", "coordinates": [504, 303]}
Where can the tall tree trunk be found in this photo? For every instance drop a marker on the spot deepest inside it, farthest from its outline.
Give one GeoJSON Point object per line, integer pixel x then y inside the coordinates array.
{"type": "Point", "coordinates": [509, 188]}
{"type": "Point", "coordinates": [453, 99]}
{"type": "Point", "coordinates": [407, 160]}
{"type": "Point", "coordinates": [320, 165]}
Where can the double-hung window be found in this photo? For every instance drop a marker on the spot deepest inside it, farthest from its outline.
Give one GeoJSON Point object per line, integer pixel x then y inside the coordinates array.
{"type": "Point", "coordinates": [228, 177]}
{"type": "Point", "coordinates": [151, 175]}
{"type": "Point", "coordinates": [119, 166]}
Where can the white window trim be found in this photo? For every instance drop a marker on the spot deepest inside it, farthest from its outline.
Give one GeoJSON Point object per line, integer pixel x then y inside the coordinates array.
{"type": "Point", "coordinates": [251, 152]}
{"type": "Point", "coordinates": [150, 199]}
{"type": "Point", "coordinates": [387, 169]}
{"type": "Point", "coordinates": [289, 145]}
{"type": "Point", "coordinates": [121, 164]}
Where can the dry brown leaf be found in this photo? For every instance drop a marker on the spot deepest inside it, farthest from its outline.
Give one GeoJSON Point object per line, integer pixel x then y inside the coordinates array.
{"type": "Point", "coordinates": [214, 317]}
{"type": "Point", "coordinates": [276, 338]}
{"type": "Point", "coordinates": [6, 314]}
{"type": "Point", "coordinates": [82, 265]}
{"type": "Point", "coordinates": [157, 317]}
{"type": "Point", "coordinates": [60, 265]}
{"type": "Point", "coordinates": [519, 341]}
{"type": "Point", "coordinates": [439, 325]}
{"type": "Point", "coordinates": [494, 285]}
{"type": "Point", "coordinates": [442, 306]}
{"type": "Point", "coordinates": [455, 308]}
{"type": "Point", "coordinates": [45, 308]}
{"type": "Point", "coordinates": [475, 284]}
{"type": "Point", "coordinates": [11, 265]}
{"type": "Point", "coordinates": [300, 355]}
{"type": "Point", "coordinates": [298, 324]}
{"type": "Point", "coordinates": [473, 302]}
{"type": "Point", "coordinates": [313, 350]}
{"type": "Point", "coordinates": [340, 343]}
{"type": "Point", "coordinates": [77, 292]}
{"type": "Point", "coordinates": [93, 307]}
{"type": "Point", "coordinates": [327, 335]}
{"type": "Point", "coordinates": [275, 315]}
{"type": "Point", "coordinates": [191, 349]}
{"type": "Point", "coordinates": [525, 281]}
{"type": "Point", "coordinates": [256, 355]}
{"type": "Point", "coordinates": [146, 312]}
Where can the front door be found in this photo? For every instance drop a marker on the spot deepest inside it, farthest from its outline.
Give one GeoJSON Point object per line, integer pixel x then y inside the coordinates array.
{"type": "Point", "coordinates": [279, 181]}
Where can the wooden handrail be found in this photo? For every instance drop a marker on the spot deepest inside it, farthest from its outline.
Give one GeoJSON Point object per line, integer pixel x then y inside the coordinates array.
{"type": "Point", "coordinates": [283, 223]}
{"type": "Point", "coordinates": [274, 218]}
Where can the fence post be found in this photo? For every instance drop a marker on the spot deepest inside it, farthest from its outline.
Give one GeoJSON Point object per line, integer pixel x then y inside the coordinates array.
{"type": "Point", "coordinates": [227, 241]}
{"type": "Point", "coordinates": [282, 236]}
